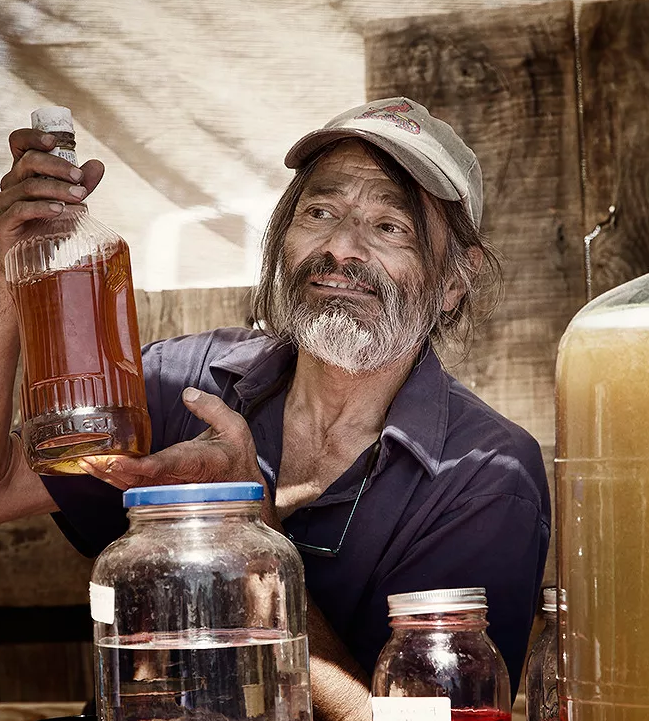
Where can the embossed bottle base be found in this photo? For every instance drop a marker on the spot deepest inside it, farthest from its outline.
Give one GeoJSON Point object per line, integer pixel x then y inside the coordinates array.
{"type": "Point", "coordinates": [54, 442]}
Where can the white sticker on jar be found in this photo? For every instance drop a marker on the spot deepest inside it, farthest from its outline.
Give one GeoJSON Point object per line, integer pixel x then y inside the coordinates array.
{"type": "Point", "coordinates": [102, 603]}
{"type": "Point", "coordinates": [398, 708]}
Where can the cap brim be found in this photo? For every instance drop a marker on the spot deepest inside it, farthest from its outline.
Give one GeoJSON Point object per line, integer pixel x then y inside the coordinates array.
{"type": "Point", "coordinates": [436, 182]}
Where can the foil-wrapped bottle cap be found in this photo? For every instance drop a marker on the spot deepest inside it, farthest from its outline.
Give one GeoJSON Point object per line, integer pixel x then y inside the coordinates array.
{"type": "Point", "coordinates": [53, 119]}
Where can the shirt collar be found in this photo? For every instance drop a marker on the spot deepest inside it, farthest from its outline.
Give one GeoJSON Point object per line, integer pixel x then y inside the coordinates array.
{"type": "Point", "coordinates": [418, 415]}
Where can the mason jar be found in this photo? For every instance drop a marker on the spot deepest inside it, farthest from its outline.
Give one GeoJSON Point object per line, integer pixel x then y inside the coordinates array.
{"type": "Point", "coordinates": [439, 662]}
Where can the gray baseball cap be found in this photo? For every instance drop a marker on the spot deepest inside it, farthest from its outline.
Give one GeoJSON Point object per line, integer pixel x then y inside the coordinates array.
{"type": "Point", "coordinates": [428, 148]}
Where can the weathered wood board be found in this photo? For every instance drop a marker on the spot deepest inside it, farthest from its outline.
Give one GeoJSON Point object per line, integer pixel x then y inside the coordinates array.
{"type": "Point", "coordinates": [614, 57]}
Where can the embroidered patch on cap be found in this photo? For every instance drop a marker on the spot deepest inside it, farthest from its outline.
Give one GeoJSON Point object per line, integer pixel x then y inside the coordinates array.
{"type": "Point", "coordinates": [394, 114]}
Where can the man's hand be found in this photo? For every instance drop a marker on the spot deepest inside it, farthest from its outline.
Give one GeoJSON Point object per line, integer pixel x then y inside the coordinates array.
{"type": "Point", "coordinates": [26, 194]}
{"type": "Point", "coordinates": [224, 452]}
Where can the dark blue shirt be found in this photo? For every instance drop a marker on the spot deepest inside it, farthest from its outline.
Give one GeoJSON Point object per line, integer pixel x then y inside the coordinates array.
{"type": "Point", "coordinates": [457, 497]}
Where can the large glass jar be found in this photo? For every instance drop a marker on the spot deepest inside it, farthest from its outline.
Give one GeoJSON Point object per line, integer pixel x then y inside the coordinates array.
{"type": "Point", "coordinates": [200, 611]}
{"type": "Point", "coordinates": [602, 470]}
{"type": "Point", "coordinates": [541, 702]}
{"type": "Point", "coordinates": [439, 662]}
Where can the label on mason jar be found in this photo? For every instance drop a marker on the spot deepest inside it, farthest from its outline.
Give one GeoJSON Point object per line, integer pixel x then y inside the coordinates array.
{"type": "Point", "coordinates": [102, 603]}
{"type": "Point", "coordinates": [397, 708]}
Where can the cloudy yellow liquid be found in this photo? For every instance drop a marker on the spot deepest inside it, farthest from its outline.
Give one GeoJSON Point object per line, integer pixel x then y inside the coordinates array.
{"type": "Point", "coordinates": [603, 516]}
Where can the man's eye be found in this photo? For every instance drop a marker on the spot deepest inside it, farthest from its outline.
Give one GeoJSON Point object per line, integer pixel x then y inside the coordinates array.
{"type": "Point", "coordinates": [392, 228]}
{"type": "Point", "coordinates": [319, 213]}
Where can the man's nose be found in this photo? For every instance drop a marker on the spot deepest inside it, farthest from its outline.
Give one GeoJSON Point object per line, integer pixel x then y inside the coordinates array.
{"type": "Point", "coordinates": [348, 240]}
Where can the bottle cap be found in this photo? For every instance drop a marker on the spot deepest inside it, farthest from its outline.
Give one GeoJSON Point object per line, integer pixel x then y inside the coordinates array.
{"type": "Point", "coordinates": [550, 600]}
{"type": "Point", "coordinates": [193, 493]}
{"type": "Point", "coordinates": [437, 601]}
{"type": "Point", "coordinates": [53, 119]}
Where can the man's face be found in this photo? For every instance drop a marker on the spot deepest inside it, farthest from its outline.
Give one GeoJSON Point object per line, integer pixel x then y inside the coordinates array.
{"type": "Point", "coordinates": [353, 288]}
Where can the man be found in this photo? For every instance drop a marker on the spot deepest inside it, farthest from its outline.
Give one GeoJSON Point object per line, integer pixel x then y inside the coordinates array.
{"type": "Point", "coordinates": [387, 474]}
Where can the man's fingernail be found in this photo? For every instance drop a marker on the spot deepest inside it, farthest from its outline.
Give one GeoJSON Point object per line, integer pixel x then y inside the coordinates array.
{"type": "Point", "coordinates": [48, 140]}
{"type": "Point", "coordinates": [191, 395]}
{"type": "Point", "coordinates": [76, 174]}
{"type": "Point", "coordinates": [78, 191]}
{"type": "Point", "coordinates": [57, 207]}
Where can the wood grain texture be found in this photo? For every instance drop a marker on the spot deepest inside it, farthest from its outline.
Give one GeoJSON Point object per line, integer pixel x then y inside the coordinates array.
{"type": "Point", "coordinates": [45, 672]}
{"type": "Point", "coordinates": [505, 80]}
{"type": "Point", "coordinates": [614, 43]}
{"type": "Point", "coordinates": [38, 711]}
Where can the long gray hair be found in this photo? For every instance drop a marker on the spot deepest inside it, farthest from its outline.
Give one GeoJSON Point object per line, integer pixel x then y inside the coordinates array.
{"type": "Point", "coordinates": [478, 273]}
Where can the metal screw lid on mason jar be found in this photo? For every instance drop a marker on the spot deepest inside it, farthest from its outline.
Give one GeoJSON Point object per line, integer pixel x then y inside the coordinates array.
{"type": "Point", "coordinates": [550, 600]}
{"type": "Point", "coordinates": [193, 493]}
{"type": "Point", "coordinates": [437, 601]}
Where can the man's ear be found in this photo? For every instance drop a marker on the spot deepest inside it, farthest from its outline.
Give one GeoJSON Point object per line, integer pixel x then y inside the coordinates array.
{"type": "Point", "coordinates": [455, 287]}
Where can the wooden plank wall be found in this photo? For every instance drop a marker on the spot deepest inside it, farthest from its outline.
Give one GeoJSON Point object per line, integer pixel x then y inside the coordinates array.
{"type": "Point", "coordinates": [614, 41]}
{"type": "Point", "coordinates": [506, 80]}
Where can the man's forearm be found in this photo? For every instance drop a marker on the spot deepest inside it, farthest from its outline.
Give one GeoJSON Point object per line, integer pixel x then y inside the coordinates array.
{"type": "Point", "coordinates": [21, 491]}
{"type": "Point", "coordinates": [340, 688]}
{"type": "Point", "coordinates": [9, 352]}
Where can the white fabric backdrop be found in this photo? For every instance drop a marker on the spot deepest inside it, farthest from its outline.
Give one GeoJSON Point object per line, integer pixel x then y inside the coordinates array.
{"type": "Point", "coordinates": [192, 106]}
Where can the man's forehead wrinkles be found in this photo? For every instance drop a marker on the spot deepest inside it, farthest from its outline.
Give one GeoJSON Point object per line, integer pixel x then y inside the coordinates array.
{"type": "Point", "coordinates": [388, 197]}
{"type": "Point", "coordinates": [324, 187]}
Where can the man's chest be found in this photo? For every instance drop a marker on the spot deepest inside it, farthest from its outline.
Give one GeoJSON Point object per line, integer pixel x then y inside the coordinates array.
{"type": "Point", "coordinates": [308, 468]}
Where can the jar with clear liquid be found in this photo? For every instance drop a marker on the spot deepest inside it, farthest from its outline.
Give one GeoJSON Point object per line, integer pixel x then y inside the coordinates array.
{"type": "Point", "coordinates": [82, 390]}
{"type": "Point", "coordinates": [602, 475]}
{"type": "Point", "coordinates": [200, 611]}
{"type": "Point", "coordinates": [439, 662]}
{"type": "Point", "coordinates": [541, 701]}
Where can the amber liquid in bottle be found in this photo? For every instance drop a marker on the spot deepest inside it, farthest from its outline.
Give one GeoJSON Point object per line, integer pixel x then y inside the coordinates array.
{"type": "Point", "coordinates": [83, 389]}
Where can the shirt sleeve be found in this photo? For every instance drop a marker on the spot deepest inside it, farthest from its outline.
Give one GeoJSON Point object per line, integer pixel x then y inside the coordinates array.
{"type": "Point", "coordinates": [90, 511]}
{"type": "Point", "coordinates": [498, 541]}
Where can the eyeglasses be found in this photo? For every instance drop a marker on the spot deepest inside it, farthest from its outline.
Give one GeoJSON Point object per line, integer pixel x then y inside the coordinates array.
{"type": "Point", "coordinates": [333, 552]}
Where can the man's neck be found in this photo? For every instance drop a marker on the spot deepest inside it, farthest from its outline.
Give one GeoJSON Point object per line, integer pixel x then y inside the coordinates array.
{"type": "Point", "coordinates": [333, 399]}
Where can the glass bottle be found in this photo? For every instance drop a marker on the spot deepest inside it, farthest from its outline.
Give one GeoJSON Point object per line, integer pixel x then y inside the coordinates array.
{"type": "Point", "coordinates": [602, 474]}
{"type": "Point", "coordinates": [83, 390]}
{"type": "Point", "coordinates": [439, 662]}
{"type": "Point", "coordinates": [200, 611]}
{"type": "Point", "coordinates": [541, 702]}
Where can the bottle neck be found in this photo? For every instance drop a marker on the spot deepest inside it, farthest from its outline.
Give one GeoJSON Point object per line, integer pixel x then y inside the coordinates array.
{"type": "Point", "coordinates": [472, 620]}
{"type": "Point", "coordinates": [550, 617]}
{"type": "Point", "coordinates": [65, 146]}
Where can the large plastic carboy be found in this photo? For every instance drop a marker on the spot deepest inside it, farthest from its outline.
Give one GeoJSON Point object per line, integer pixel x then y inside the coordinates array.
{"type": "Point", "coordinates": [602, 473]}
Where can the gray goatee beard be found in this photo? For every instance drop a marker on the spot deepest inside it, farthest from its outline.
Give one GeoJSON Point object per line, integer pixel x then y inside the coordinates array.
{"type": "Point", "coordinates": [354, 334]}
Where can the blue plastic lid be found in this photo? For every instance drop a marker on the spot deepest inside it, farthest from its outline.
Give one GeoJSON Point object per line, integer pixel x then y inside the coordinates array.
{"type": "Point", "coordinates": [193, 493]}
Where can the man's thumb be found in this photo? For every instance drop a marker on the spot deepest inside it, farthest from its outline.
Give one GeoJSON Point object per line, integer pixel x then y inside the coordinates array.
{"type": "Point", "coordinates": [191, 395]}
{"type": "Point", "coordinates": [207, 407]}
